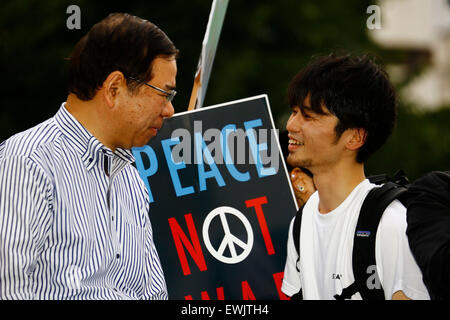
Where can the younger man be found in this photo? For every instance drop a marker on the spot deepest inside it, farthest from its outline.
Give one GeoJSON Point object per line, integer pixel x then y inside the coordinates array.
{"type": "Point", "coordinates": [343, 110]}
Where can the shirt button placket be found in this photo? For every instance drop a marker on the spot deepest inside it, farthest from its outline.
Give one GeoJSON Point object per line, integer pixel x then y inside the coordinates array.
{"type": "Point", "coordinates": [113, 222]}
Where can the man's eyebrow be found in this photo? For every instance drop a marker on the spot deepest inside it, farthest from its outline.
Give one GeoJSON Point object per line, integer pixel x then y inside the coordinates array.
{"type": "Point", "coordinates": [169, 87]}
{"type": "Point", "coordinates": [307, 108]}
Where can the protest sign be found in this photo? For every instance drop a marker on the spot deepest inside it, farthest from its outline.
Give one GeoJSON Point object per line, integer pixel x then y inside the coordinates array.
{"type": "Point", "coordinates": [221, 203]}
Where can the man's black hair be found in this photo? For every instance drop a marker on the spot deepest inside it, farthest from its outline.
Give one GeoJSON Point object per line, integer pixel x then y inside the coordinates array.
{"type": "Point", "coordinates": [120, 42]}
{"type": "Point", "coordinates": [354, 89]}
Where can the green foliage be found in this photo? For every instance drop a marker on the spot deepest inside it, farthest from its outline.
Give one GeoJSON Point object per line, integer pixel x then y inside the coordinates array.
{"type": "Point", "coordinates": [263, 45]}
{"type": "Point", "coordinates": [419, 144]}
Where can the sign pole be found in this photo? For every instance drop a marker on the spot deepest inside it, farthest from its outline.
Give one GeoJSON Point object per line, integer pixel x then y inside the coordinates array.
{"type": "Point", "coordinates": [208, 52]}
{"type": "Point", "coordinates": [197, 85]}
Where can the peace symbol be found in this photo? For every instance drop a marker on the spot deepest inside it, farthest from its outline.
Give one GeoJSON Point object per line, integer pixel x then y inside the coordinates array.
{"type": "Point", "coordinates": [229, 240]}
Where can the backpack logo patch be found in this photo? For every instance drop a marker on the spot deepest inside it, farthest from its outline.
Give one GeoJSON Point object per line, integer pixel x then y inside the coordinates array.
{"type": "Point", "coordinates": [363, 234]}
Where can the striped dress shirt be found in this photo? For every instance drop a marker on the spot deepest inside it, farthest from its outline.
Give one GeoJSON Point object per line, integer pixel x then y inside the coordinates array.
{"type": "Point", "coordinates": [73, 218]}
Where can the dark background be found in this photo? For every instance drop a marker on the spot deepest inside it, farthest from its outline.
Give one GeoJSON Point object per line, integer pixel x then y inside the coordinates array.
{"type": "Point", "coordinates": [263, 44]}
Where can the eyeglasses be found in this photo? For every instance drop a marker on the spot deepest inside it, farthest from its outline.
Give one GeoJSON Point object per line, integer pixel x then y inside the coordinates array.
{"type": "Point", "coordinates": [169, 95]}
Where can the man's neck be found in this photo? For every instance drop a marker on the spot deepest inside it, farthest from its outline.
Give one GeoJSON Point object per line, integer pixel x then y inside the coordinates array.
{"type": "Point", "coordinates": [335, 184]}
{"type": "Point", "coordinates": [87, 113]}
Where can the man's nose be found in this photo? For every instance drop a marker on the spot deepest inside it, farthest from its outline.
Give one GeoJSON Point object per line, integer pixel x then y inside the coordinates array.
{"type": "Point", "coordinates": [168, 110]}
{"type": "Point", "coordinates": [292, 124]}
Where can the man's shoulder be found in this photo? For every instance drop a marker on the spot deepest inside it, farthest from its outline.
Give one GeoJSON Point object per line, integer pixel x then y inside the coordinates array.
{"type": "Point", "coordinates": [394, 215]}
{"type": "Point", "coordinates": [393, 220]}
{"type": "Point", "coordinates": [26, 143]}
{"type": "Point", "coordinates": [396, 210]}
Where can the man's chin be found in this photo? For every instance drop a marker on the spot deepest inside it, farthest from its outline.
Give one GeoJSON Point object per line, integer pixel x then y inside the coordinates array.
{"type": "Point", "coordinates": [141, 143]}
{"type": "Point", "coordinates": [291, 161]}
{"type": "Point", "coordinates": [144, 139]}
{"type": "Point", "coordinates": [298, 163]}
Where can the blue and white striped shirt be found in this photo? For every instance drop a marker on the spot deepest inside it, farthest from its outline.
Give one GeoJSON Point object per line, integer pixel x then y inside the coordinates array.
{"type": "Point", "coordinates": [73, 218]}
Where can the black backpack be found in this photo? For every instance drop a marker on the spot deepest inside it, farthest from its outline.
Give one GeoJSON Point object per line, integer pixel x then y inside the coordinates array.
{"type": "Point", "coordinates": [363, 257]}
{"type": "Point", "coordinates": [428, 230]}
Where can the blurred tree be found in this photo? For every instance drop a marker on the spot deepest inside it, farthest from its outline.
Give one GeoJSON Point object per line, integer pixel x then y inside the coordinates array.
{"type": "Point", "coordinates": [35, 43]}
{"type": "Point", "coordinates": [263, 44]}
{"type": "Point", "coordinates": [419, 144]}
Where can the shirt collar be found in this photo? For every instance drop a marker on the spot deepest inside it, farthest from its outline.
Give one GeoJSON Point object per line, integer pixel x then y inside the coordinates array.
{"type": "Point", "coordinates": [84, 142]}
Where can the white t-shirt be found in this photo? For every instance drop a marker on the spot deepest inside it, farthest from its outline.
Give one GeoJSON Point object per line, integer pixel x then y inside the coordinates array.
{"type": "Point", "coordinates": [326, 247]}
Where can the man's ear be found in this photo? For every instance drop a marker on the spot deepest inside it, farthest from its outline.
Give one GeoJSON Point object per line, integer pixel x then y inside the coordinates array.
{"type": "Point", "coordinates": [357, 138]}
{"type": "Point", "coordinates": [114, 83]}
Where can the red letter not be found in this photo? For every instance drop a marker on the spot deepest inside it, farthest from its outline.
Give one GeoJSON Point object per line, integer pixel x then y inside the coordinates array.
{"type": "Point", "coordinates": [194, 248]}
{"type": "Point", "coordinates": [257, 204]}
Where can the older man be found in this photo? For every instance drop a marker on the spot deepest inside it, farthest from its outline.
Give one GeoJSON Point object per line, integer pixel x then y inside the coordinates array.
{"type": "Point", "coordinates": [73, 210]}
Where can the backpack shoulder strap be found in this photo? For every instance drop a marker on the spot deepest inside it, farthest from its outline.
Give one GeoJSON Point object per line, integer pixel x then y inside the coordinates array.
{"type": "Point", "coordinates": [296, 237]}
{"type": "Point", "coordinates": [296, 229]}
{"type": "Point", "coordinates": [363, 260]}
